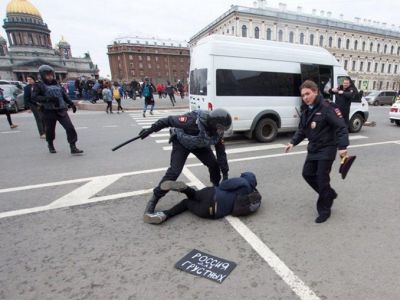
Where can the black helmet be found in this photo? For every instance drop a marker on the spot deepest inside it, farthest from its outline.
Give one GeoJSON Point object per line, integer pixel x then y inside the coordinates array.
{"type": "Point", "coordinates": [45, 69]}
{"type": "Point", "coordinates": [219, 119]}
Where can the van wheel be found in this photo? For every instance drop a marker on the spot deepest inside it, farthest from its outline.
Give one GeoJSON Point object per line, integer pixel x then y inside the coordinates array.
{"type": "Point", "coordinates": [266, 131]}
{"type": "Point", "coordinates": [376, 103]}
{"type": "Point", "coordinates": [356, 123]}
{"type": "Point", "coordinates": [397, 122]}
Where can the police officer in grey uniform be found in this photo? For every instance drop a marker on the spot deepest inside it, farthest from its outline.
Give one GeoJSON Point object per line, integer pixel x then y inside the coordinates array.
{"type": "Point", "coordinates": [194, 132]}
{"type": "Point", "coordinates": [323, 125]}
{"type": "Point", "coordinates": [55, 103]}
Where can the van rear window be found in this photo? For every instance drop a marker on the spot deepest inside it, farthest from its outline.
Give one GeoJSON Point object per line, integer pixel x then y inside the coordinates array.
{"type": "Point", "coordinates": [198, 82]}
{"type": "Point", "coordinates": [257, 83]}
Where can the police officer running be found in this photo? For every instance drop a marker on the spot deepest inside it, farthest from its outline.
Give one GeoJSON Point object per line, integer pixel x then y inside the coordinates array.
{"type": "Point", "coordinates": [344, 96]}
{"type": "Point", "coordinates": [55, 103]}
{"type": "Point", "coordinates": [193, 132]}
{"type": "Point", "coordinates": [323, 125]}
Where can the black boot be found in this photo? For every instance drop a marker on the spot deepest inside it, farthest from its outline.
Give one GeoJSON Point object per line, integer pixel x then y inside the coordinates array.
{"type": "Point", "coordinates": [151, 205]}
{"type": "Point", "coordinates": [75, 150]}
{"type": "Point", "coordinates": [51, 147]}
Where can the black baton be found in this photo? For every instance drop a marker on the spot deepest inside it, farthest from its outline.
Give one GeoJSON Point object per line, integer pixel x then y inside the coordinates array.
{"type": "Point", "coordinates": [125, 143]}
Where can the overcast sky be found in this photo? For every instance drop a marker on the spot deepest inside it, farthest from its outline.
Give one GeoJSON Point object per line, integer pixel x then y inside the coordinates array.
{"type": "Point", "coordinates": [90, 25]}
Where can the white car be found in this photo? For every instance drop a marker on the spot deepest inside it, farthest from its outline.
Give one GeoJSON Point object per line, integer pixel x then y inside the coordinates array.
{"type": "Point", "coordinates": [394, 114]}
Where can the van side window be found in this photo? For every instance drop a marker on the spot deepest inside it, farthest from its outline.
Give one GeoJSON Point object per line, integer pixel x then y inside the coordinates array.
{"type": "Point", "coordinates": [257, 83]}
{"type": "Point", "coordinates": [198, 82]}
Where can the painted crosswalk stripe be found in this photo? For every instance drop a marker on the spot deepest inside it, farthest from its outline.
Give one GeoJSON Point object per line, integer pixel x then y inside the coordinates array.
{"type": "Point", "coordinates": [351, 138]}
{"type": "Point", "coordinates": [162, 141]}
{"type": "Point", "coordinates": [7, 132]}
{"type": "Point", "coordinates": [159, 135]}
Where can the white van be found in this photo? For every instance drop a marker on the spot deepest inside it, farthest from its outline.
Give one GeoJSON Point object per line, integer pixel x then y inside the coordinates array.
{"type": "Point", "coordinates": [258, 82]}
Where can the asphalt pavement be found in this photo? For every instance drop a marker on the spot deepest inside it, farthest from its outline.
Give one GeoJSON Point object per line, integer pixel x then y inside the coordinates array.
{"type": "Point", "coordinates": [71, 227]}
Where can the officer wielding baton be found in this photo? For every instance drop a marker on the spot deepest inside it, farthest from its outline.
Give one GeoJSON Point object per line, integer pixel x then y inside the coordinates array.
{"type": "Point", "coordinates": [193, 132]}
{"type": "Point", "coordinates": [324, 127]}
{"type": "Point", "coordinates": [55, 103]}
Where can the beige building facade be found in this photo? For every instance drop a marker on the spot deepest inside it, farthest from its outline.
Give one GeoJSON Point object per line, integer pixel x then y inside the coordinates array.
{"type": "Point", "coordinates": [369, 51]}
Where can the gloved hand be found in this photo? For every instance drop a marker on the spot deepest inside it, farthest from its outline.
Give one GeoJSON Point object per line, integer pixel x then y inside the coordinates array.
{"type": "Point", "coordinates": [73, 108]}
{"type": "Point", "coordinates": [225, 176]}
{"type": "Point", "coordinates": [172, 133]}
{"type": "Point", "coordinates": [144, 133]}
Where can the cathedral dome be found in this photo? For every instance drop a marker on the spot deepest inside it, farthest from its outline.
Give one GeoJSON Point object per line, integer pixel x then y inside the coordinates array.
{"type": "Point", "coordinates": [22, 7]}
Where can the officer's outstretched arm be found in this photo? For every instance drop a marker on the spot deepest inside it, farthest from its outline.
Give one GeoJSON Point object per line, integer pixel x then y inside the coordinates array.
{"type": "Point", "coordinates": [222, 158]}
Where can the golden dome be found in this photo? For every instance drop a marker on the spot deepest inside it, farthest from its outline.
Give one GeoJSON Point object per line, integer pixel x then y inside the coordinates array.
{"type": "Point", "coordinates": [22, 7]}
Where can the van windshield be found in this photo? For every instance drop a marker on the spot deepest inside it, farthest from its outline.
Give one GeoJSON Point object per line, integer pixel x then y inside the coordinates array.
{"type": "Point", "coordinates": [198, 82]}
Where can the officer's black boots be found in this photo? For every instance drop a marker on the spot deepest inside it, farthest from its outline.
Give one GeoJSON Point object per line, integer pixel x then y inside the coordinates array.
{"type": "Point", "coordinates": [75, 150]}
{"type": "Point", "coordinates": [176, 186]}
{"type": "Point", "coordinates": [322, 218]}
{"type": "Point", "coordinates": [51, 147]}
{"type": "Point", "coordinates": [151, 205]}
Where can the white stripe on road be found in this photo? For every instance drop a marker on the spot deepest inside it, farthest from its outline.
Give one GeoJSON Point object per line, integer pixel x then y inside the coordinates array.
{"type": "Point", "coordinates": [243, 149]}
{"type": "Point", "coordinates": [280, 268]}
{"type": "Point", "coordinates": [162, 141]}
{"type": "Point", "coordinates": [351, 138]}
{"type": "Point", "coordinates": [158, 135]}
{"type": "Point", "coordinates": [8, 132]}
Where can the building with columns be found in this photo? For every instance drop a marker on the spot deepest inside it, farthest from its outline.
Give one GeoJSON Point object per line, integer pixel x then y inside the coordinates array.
{"type": "Point", "coordinates": [368, 50]}
{"type": "Point", "coordinates": [29, 46]}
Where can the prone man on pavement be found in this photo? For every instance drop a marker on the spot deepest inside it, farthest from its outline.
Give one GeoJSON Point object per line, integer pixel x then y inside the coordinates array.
{"type": "Point", "coordinates": [235, 196]}
{"type": "Point", "coordinates": [193, 132]}
{"type": "Point", "coordinates": [54, 102]}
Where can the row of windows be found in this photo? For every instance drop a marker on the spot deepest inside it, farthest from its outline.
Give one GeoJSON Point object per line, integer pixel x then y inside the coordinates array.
{"type": "Point", "coordinates": [141, 72]}
{"type": "Point", "coordinates": [369, 65]}
{"type": "Point", "coordinates": [378, 85]}
{"type": "Point", "coordinates": [156, 58]}
{"type": "Point", "coordinates": [346, 43]}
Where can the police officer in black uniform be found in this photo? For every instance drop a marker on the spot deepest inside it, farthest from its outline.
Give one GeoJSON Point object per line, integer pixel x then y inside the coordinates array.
{"type": "Point", "coordinates": [54, 102]}
{"type": "Point", "coordinates": [193, 132]}
{"type": "Point", "coordinates": [345, 94]}
{"type": "Point", "coordinates": [322, 123]}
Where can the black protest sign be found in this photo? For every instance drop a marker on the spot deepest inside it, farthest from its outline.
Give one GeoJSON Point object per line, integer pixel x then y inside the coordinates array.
{"type": "Point", "coordinates": [205, 265]}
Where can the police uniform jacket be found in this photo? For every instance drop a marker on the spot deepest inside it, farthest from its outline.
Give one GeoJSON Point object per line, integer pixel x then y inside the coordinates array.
{"type": "Point", "coordinates": [52, 96]}
{"type": "Point", "coordinates": [188, 123]}
{"type": "Point", "coordinates": [343, 101]}
{"type": "Point", "coordinates": [325, 129]}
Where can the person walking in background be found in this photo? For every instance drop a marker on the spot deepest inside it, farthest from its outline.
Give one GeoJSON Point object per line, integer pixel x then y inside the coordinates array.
{"type": "Point", "coordinates": [170, 90]}
{"type": "Point", "coordinates": [147, 91]}
{"type": "Point", "coordinates": [34, 106]}
{"type": "Point", "coordinates": [181, 89]}
{"type": "Point", "coordinates": [117, 95]}
{"type": "Point", "coordinates": [135, 88]}
{"type": "Point", "coordinates": [107, 97]}
{"type": "Point", "coordinates": [3, 107]}
{"type": "Point", "coordinates": [159, 90]}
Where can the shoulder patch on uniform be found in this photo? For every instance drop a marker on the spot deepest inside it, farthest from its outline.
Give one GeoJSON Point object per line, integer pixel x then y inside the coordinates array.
{"type": "Point", "coordinates": [338, 112]}
{"type": "Point", "coordinates": [182, 119]}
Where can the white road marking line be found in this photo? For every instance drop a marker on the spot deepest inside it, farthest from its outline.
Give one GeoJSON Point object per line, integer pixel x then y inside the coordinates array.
{"type": "Point", "coordinates": [79, 128]}
{"type": "Point", "coordinates": [145, 124]}
{"type": "Point", "coordinates": [110, 126]}
{"type": "Point", "coordinates": [162, 130]}
{"type": "Point", "coordinates": [280, 268]}
{"type": "Point", "coordinates": [8, 132]}
{"type": "Point", "coordinates": [162, 141]}
{"type": "Point", "coordinates": [148, 171]}
{"type": "Point", "coordinates": [157, 135]}
{"type": "Point", "coordinates": [351, 138]}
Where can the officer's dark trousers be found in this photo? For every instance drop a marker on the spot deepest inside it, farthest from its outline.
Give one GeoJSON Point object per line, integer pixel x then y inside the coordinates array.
{"type": "Point", "coordinates": [39, 119]}
{"type": "Point", "coordinates": [316, 173]}
{"type": "Point", "coordinates": [178, 158]}
{"type": "Point", "coordinates": [198, 202]}
{"type": "Point", "coordinates": [51, 117]}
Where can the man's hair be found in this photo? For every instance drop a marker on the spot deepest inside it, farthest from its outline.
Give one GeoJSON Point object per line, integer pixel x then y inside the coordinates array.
{"type": "Point", "coordinates": [309, 84]}
{"type": "Point", "coordinates": [32, 77]}
{"type": "Point", "coordinates": [347, 79]}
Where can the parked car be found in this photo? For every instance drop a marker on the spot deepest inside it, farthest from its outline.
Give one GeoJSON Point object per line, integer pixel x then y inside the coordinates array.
{"type": "Point", "coordinates": [394, 114]}
{"type": "Point", "coordinates": [14, 95]}
{"type": "Point", "coordinates": [380, 97]}
{"type": "Point", "coordinates": [18, 84]}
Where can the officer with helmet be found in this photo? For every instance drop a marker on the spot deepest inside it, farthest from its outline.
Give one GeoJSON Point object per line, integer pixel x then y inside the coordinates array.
{"type": "Point", "coordinates": [194, 132]}
{"type": "Point", "coordinates": [55, 102]}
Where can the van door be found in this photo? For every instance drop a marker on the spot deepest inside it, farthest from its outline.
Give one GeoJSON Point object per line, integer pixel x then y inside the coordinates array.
{"type": "Point", "coordinates": [322, 75]}
{"type": "Point", "coordinates": [198, 89]}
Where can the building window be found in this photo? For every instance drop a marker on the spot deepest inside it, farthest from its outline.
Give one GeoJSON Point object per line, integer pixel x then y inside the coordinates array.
{"type": "Point", "coordinates": [140, 58]}
{"type": "Point", "coordinates": [140, 65]}
{"type": "Point", "coordinates": [384, 49]}
{"type": "Point", "coordinates": [398, 50]}
{"type": "Point", "coordinates": [119, 58]}
{"type": "Point", "coordinates": [330, 42]}
{"type": "Point", "coordinates": [361, 66]}
{"type": "Point", "coordinates": [148, 58]}
{"type": "Point", "coordinates": [339, 43]}
{"type": "Point", "coordinates": [392, 50]}
{"type": "Point", "coordinates": [394, 85]}
{"type": "Point", "coordinates": [369, 67]}
{"type": "Point", "coordinates": [156, 58]}
{"type": "Point", "coordinates": [244, 31]}
{"type": "Point", "coordinates": [280, 35]}
{"type": "Point", "coordinates": [291, 37]}
{"type": "Point", "coordinates": [378, 48]}
{"type": "Point", "coordinates": [371, 46]}
{"type": "Point", "coordinates": [321, 41]}
{"type": "Point", "coordinates": [269, 34]}
{"type": "Point", "coordinates": [130, 57]}
{"type": "Point", "coordinates": [347, 44]}
{"type": "Point", "coordinates": [395, 69]}
{"type": "Point", "coordinates": [301, 38]}
{"type": "Point", "coordinates": [376, 67]}
{"type": "Point", "coordinates": [380, 84]}
{"type": "Point", "coordinates": [374, 85]}
{"type": "Point", "coordinates": [359, 84]}
{"type": "Point", "coordinates": [131, 64]}
{"type": "Point", "coordinates": [257, 33]}
{"type": "Point", "coordinates": [345, 64]}
{"type": "Point", "coordinates": [389, 68]}
{"type": "Point", "coordinates": [353, 67]}
{"type": "Point", "coordinates": [311, 39]}
{"type": "Point", "coordinates": [133, 72]}
{"type": "Point", "coordinates": [149, 66]}
{"type": "Point", "coordinates": [355, 45]}
{"type": "Point", "coordinates": [383, 68]}
{"type": "Point", "coordinates": [158, 66]}
{"type": "Point", "coordinates": [387, 85]}
{"type": "Point", "coordinates": [363, 46]}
